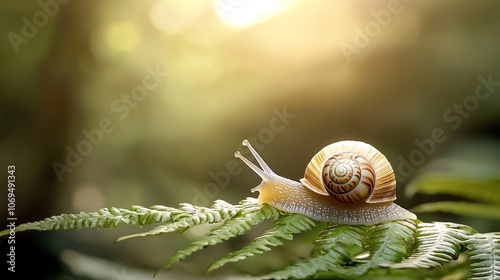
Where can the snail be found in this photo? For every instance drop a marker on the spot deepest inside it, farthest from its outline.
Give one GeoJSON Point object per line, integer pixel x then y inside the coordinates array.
{"type": "Point", "coordinates": [347, 182]}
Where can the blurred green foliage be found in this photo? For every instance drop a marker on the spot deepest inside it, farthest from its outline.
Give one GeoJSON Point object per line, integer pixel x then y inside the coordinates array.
{"type": "Point", "coordinates": [80, 63]}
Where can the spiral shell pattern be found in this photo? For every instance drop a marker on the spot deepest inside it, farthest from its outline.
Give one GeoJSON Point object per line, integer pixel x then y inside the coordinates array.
{"type": "Point", "coordinates": [351, 172]}
{"type": "Point", "coordinates": [348, 177]}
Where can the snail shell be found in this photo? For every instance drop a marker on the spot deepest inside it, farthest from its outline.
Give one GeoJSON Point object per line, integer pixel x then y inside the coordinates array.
{"type": "Point", "coordinates": [351, 172]}
{"type": "Point", "coordinates": [347, 182]}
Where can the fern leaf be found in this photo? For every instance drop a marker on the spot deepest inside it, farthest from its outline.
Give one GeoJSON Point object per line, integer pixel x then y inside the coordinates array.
{"type": "Point", "coordinates": [461, 208]}
{"type": "Point", "coordinates": [437, 244]}
{"type": "Point", "coordinates": [433, 184]}
{"type": "Point", "coordinates": [336, 246]}
{"type": "Point", "coordinates": [186, 216]}
{"type": "Point", "coordinates": [484, 252]}
{"type": "Point", "coordinates": [336, 235]}
{"type": "Point", "coordinates": [284, 228]}
{"type": "Point", "coordinates": [148, 216]}
{"type": "Point", "coordinates": [391, 242]}
{"type": "Point", "coordinates": [231, 228]}
{"type": "Point", "coordinates": [385, 243]}
{"type": "Point", "coordinates": [171, 227]}
{"type": "Point", "coordinates": [189, 215]}
{"type": "Point", "coordinates": [341, 251]}
{"type": "Point", "coordinates": [329, 261]}
{"type": "Point", "coordinates": [104, 218]}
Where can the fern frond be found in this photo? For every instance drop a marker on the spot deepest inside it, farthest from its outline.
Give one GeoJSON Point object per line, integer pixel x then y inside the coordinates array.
{"type": "Point", "coordinates": [484, 252]}
{"type": "Point", "coordinates": [391, 242]}
{"type": "Point", "coordinates": [336, 246]}
{"type": "Point", "coordinates": [104, 218]}
{"type": "Point", "coordinates": [461, 208]}
{"type": "Point", "coordinates": [284, 228]}
{"type": "Point", "coordinates": [341, 251]}
{"type": "Point", "coordinates": [335, 236]}
{"type": "Point", "coordinates": [241, 223]}
{"type": "Point", "coordinates": [171, 227]}
{"type": "Point", "coordinates": [305, 268]}
{"type": "Point", "coordinates": [140, 216]}
{"type": "Point", "coordinates": [189, 215]}
{"type": "Point", "coordinates": [437, 244]}
{"type": "Point", "coordinates": [349, 251]}
{"type": "Point", "coordinates": [385, 243]}
{"type": "Point", "coordinates": [154, 214]}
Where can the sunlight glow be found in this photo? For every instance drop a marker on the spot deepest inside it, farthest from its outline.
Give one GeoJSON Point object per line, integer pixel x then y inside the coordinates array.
{"type": "Point", "coordinates": [243, 13]}
{"type": "Point", "coordinates": [122, 35]}
{"type": "Point", "coordinates": [174, 16]}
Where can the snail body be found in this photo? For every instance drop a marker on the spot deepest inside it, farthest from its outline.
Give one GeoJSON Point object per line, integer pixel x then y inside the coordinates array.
{"type": "Point", "coordinates": [347, 182]}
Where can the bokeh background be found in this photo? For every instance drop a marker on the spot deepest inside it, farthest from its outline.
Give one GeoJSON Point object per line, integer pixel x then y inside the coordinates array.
{"type": "Point", "coordinates": [290, 75]}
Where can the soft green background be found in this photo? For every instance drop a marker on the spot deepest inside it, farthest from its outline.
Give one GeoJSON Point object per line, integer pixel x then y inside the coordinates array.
{"type": "Point", "coordinates": [225, 84]}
